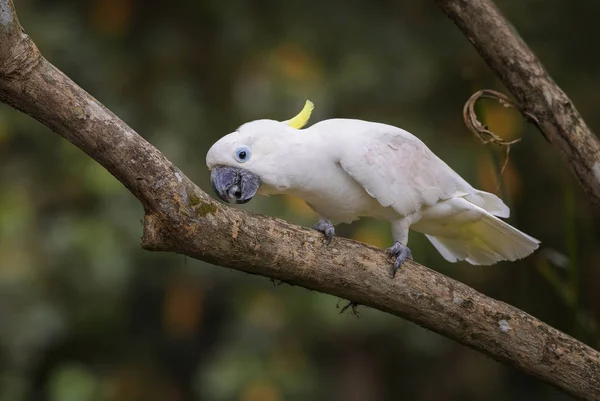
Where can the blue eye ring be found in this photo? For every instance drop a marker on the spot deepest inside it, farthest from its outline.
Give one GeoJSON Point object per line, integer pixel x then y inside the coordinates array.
{"type": "Point", "coordinates": [242, 154]}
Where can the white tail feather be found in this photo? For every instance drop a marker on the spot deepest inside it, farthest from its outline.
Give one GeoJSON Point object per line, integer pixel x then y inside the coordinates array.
{"type": "Point", "coordinates": [489, 202]}
{"type": "Point", "coordinates": [486, 242]}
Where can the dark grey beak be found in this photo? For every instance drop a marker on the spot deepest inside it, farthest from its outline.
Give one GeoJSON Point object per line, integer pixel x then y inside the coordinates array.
{"type": "Point", "coordinates": [233, 184]}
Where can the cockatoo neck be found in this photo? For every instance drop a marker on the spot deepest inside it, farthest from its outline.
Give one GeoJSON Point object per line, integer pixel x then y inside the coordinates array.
{"type": "Point", "coordinates": [291, 163]}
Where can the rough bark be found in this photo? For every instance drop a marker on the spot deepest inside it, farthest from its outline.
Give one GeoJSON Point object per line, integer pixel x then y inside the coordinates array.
{"type": "Point", "coordinates": [508, 55]}
{"type": "Point", "coordinates": [179, 217]}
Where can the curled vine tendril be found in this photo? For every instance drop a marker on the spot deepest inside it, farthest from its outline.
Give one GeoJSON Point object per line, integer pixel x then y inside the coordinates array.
{"type": "Point", "coordinates": [482, 132]}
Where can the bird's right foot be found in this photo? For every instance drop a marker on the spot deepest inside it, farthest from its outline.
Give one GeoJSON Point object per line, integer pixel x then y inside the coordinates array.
{"type": "Point", "coordinates": [401, 252]}
{"type": "Point", "coordinates": [326, 228]}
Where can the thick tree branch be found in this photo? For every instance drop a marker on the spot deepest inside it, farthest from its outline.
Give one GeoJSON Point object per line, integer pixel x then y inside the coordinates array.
{"type": "Point", "coordinates": [179, 217]}
{"type": "Point", "coordinates": [538, 95]}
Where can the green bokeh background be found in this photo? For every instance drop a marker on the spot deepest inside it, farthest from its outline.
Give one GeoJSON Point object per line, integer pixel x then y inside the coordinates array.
{"type": "Point", "coordinates": [86, 314]}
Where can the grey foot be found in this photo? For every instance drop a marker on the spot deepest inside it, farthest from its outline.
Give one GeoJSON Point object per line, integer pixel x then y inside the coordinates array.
{"type": "Point", "coordinates": [326, 228]}
{"type": "Point", "coordinates": [401, 253]}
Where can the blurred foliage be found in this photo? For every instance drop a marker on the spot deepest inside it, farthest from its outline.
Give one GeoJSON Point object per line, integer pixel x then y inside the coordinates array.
{"type": "Point", "coordinates": [87, 315]}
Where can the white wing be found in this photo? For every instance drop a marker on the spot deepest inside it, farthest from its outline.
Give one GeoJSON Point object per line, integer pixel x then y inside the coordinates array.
{"type": "Point", "coordinates": [399, 170]}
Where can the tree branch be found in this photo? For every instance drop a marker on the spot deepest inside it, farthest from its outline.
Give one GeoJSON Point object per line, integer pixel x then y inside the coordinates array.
{"type": "Point", "coordinates": [538, 95]}
{"type": "Point", "coordinates": [179, 217]}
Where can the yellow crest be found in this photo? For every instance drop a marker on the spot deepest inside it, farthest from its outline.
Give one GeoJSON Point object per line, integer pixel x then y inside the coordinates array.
{"type": "Point", "coordinates": [302, 118]}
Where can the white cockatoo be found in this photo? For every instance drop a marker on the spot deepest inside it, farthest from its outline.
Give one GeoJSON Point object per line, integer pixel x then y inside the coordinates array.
{"type": "Point", "coordinates": [346, 169]}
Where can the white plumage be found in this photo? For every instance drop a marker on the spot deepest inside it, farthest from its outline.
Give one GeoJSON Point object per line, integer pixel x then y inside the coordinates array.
{"type": "Point", "coordinates": [346, 169]}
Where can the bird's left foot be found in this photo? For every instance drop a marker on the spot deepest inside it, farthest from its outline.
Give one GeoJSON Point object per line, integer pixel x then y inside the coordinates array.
{"type": "Point", "coordinates": [326, 228]}
{"type": "Point", "coordinates": [401, 253]}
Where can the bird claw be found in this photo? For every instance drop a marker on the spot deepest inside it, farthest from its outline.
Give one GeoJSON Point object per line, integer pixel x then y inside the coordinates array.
{"type": "Point", "coordinates": [326, 228]}
{"type": "Point", "coordinates": [401, 252]}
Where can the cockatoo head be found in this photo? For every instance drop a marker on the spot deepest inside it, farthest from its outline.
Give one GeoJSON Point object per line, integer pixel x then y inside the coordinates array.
{"type": "Point", "coordinates": [241, 161]}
